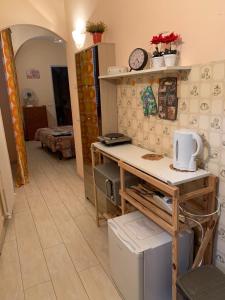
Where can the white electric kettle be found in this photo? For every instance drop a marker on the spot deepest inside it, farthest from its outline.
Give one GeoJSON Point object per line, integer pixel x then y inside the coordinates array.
{"type": "Point", "coordinates": [186, 146]}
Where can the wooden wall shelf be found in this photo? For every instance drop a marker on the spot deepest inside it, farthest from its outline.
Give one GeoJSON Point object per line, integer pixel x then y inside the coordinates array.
{"type": "Point", "coordinates": [164, 70]}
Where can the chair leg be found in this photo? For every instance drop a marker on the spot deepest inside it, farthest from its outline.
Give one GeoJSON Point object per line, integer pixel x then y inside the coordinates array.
{"type": "Point", "coordinates": [60, 156]}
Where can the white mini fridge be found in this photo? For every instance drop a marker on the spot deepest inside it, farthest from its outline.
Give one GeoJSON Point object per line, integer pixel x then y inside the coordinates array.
{"type": "Point", "coordinates": [141, 257]}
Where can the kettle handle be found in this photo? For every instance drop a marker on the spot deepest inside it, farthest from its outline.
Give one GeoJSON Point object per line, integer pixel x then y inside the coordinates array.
{"type": "Point", "coordinates": [199, 143]}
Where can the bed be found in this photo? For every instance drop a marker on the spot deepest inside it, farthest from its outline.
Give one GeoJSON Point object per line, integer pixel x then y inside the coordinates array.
{"type": "Point", "coordinates": [58, 139]}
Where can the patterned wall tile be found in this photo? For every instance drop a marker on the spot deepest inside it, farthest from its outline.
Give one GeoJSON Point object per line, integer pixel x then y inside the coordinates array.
{"type": "Point", "coordinates": [206, 72]}
{"type": "Point", "coordinates": [204, 105]}
{"type": "Point", "coordinates": [217, 89]}
{"type": "Point", "coordinates": [201, 107]}
{"type": "Point", "coordinates": [205, 90]}
{"type": "Point", "coordinates": [195, 74]}
{"type": "Point", "coordinates": [218, 70]}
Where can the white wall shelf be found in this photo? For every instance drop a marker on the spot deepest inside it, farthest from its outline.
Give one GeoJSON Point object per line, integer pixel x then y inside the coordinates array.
{"type": "Point", "coordinates": [152, 71]}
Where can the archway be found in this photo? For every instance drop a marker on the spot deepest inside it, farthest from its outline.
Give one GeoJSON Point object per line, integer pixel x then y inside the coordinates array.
{"type": "Point", "coordinates": [11, 106]}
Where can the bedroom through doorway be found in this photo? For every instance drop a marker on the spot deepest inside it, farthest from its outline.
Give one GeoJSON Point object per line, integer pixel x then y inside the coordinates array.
{"type": "Point", "coordinates": [41, 72]}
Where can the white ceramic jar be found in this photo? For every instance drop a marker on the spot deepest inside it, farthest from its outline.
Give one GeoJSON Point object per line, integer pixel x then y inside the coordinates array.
{"type": "Point", "coordinates": [170, 60]}
{"type": "Point", "coordinates": [158, 62]}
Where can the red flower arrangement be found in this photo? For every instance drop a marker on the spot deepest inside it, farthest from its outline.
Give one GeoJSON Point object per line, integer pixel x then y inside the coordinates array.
{"type": "Point", "coordinates": [170, 39]}
{"type": "Point", "coordinates": [156, 40]}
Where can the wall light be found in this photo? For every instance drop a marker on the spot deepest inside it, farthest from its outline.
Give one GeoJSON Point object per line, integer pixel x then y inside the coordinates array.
{"type": "Point", "coordinates": [79, 34]}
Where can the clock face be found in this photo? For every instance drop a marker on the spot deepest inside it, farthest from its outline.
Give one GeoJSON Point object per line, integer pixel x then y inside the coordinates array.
{"type": "Point", "coordinates": [138, 59]}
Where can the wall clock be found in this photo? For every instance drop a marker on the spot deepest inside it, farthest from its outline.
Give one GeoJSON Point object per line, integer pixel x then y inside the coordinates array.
{"type": "Point", "coordinates": [138, 59]}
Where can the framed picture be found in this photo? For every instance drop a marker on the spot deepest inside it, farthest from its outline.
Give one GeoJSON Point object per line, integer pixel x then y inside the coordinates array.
{"type": "Point", "coordinates": [33, 74]}
{"type": "Point", "coordinates": [167, 98]}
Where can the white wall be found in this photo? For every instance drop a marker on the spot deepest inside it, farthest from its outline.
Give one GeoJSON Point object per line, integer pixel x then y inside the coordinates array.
{"type": "Point", "coordinates": [132, 24]}
{"type": "Point", "coordinates": [40, 54]}
{"type": "Point", "coordinates": [21, 33]}
{"type": "Point", "coordinates": [47, 14]}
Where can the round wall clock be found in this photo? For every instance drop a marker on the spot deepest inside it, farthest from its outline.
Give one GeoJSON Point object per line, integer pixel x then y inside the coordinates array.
{"type": "Point", "coordinates": [138, 59]}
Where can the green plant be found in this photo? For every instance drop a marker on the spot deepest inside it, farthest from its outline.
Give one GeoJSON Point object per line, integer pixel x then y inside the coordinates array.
{"type": "Point", "coordinates": [95, 27]}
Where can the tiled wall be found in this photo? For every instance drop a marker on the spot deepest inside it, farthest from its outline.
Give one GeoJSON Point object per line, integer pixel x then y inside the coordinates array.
{"type": "Point", "coordinates": [201, 107]}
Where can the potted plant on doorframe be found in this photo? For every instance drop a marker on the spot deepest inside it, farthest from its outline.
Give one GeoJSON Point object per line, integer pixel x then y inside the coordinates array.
{"type": "Point", "coordinates": [96, 29]}
{"type": "Point", "coordinates": [170, 53]}
{"type": "Point", "coordinates": [157, 55]}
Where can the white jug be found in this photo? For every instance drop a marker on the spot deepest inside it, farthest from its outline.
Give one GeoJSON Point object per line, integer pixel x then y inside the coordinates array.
{"type": "Point", "coordinates": [186, 146]}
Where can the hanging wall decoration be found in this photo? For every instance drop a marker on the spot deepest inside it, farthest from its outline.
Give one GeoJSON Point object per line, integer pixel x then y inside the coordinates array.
{"type": "Point", "coordinates": [149, 102]}
{"type": "Point", "coordinates": [167, 98]}
{"type": "Point", "coordinates": [33, 74]}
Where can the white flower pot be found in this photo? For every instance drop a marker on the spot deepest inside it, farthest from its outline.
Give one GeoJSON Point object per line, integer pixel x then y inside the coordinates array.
{"type": "Point", "coordinates": [158, 62]}
{"type": "Point", "coordinates": [170, 60]}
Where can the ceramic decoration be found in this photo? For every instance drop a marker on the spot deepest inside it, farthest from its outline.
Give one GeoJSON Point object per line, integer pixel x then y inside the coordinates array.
{"type": "Point", "coordinates": [116, 70]}
{"type": "Point", "coordinates": [138, 59]}
{"type": "Point", "coordinates": [148, 100]}
{"type": "Point", "coordinates": [170, 60]}
{"type": "Point", "coordinates": [158, 62]}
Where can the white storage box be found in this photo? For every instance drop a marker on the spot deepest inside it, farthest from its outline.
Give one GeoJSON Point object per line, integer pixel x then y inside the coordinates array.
{"type": "Point", "coordinates": [140, 257]}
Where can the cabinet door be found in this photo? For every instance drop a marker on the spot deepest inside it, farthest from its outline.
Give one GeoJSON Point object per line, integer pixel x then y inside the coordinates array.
{"type": "Point", "coordinates": [87, 67]}
{"type": "Point", "coordinates": [89, 100]}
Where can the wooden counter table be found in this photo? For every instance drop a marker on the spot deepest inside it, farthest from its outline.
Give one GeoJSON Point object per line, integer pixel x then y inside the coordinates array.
{"type": "Point", "coordinates": [195, 188]}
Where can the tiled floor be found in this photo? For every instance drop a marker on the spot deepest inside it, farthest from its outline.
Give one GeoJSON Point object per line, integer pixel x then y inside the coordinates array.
{"type": "Point", "coordinates": [53, 249]}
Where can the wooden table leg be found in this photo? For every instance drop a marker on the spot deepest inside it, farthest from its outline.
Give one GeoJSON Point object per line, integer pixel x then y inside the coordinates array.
{"type": "Point", "coordinates": [94, 185]}
{"type": "Point", "coordinates": [122, 187]}
{"type": "Point", "coordinates": [175, 243]}
{"type": "Point", "coordinates": [207, 238]}
{"type": "Point", "coordinates": [174, 265]}
{"type": "Point", "coordinates": [212, 181]}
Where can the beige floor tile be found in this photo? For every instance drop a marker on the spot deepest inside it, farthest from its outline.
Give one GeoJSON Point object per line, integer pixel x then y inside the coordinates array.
{"type": "Point", "coordinates": [98, 285]}
{"type": "Point", "coordinates": [72, 204]}
{"type": "Point", "coordinates": [42, 291]}
{"type": "Point", "coordinates": [31, 189]}
{"type": "Point", "coordinates": [33, 194]}
{"type": "Point", "coordinates": [96, 237]}
{"type": "Point", "coordinates": [79, 250]}
{"type": "Point", "coordinates": [51, 208]}
{"type": "Point", "coordinates": [10, 276]}
{"type": "Point", "coordinates": [46, 228]}
{"type": "Point", "coordinates": [49, 194]}
{"type": "Point", "coordinates": [33, 266]}
{"type": "Point", "coordinates": [20, 202]}
{"type": "Point", "coordinates": [90, 208]}
{"type": "Point", "coordinates": [67, 284]}
{"type": "Point", "coordinates": [10, 231]}
{"type": "Point", "coordinates": [66, 195]}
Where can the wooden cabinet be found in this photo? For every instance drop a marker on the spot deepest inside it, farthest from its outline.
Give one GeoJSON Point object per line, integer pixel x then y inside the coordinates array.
{"type": "Point", "coordinates": [35, 117]}
{"type": "Point", "coordinates": [97, 102]}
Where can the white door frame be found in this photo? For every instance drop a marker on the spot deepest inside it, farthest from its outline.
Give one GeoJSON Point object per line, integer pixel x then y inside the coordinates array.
{"type": "Point", "coordinates": [6, 180]}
